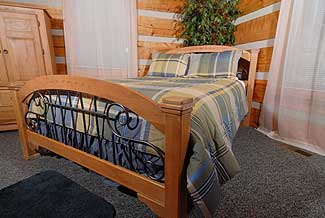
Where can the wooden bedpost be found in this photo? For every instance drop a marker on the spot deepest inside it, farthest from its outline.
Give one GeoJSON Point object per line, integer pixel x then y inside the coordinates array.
{"type": "Point", "coordinates": [251, 83]}
{"type": "Point", "coordinates": [28, 151]}
{"type": "Point", "coordinates": [178, 117]}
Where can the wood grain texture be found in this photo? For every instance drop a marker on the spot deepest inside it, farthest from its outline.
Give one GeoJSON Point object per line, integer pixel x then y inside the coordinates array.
{"type": "Point", "coordinates": [48, 47]}
{"type": "Point", "coordinates": [61, 69]}
{"type": "Point", "coordinates": [178, 119]}
{"type": "Point", "coordinates": [23, 41]}
{"type": "Point", "coordinates": [264, 60]}
{"type": "Point", "coordinates": [28, 150]}
{"type": "Point", "coordinates": [59, 51]}
{"type": "Point", "coordinates": [249, 6]}
{"type": "Point", "coordinates": [24, 33]}
{"type": "Point", "coordinates": [7, 114]}
{"type": "Point", "coordinates": [57, 24]}
{"type": "Point", "coordinates": [259, 90]}
{"type": "Point", "coordinates": [251, 83]}
{"type": "Point", "coordinates": [261, 28]}
{"type": "Point", "coordinates": [255, 115]}
{"type": "Point", "coordinates": [117, 173]}
{"type": "Point", "coordinates": [145, 49]}
{"type": "Point", "coordinates": [56, 13]}
{"type": "Point", "coordinates": [151, 26]}
{"type": "Point", "coordinates": [4, 79]}
{"type": "Point", "coordinates": [173, 6]}
{"type": "Point", "coordinates": [58, 41]}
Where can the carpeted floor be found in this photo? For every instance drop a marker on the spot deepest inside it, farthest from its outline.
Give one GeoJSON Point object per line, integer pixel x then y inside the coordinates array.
{"type": "Point", "coordinates": [273, 182]}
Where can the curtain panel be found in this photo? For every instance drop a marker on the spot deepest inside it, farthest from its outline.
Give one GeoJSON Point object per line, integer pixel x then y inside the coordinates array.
{"type": "Point", "coordinates": [294, 105]}
{"type": "Point", "coordinates": [101, 38]}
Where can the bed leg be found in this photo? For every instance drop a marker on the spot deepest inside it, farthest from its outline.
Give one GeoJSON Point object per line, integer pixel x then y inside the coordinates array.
{"type": "Point", "coordinates": [28, 150]}
{"type": "Point", "coordinates": [251, 84]}
{"type": "Point", "coordinates": [178, 116]}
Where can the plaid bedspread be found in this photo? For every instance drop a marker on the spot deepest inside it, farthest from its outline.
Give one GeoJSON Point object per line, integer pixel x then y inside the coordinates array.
{"type": "Point", "coordinates": [220, 106]}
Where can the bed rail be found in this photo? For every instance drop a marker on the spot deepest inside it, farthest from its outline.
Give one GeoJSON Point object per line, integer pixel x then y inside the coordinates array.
{"type": "Point", "coordinates": [46, 126]}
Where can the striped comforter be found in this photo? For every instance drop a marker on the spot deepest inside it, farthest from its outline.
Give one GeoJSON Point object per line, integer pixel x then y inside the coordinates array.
{"type": "Point", "coordinates": [220, 106]}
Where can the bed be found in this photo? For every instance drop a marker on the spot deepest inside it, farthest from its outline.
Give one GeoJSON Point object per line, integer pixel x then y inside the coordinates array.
{"type": "Point", "coordinates": [160, 137]}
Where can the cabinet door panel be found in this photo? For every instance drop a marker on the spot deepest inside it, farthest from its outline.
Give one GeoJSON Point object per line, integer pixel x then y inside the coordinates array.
{"type": "Point", "coordinates": [7, 114]}
{"type": "Point", "coordinates": [27, 55]}
{"type": "Point", "coordinates": [3, 71]}
{"type": "Point", "coordinates": [20, 37]}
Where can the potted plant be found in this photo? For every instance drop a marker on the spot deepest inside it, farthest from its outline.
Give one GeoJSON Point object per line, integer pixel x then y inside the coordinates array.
{"type": "Point", "coordinates": [208, 22]}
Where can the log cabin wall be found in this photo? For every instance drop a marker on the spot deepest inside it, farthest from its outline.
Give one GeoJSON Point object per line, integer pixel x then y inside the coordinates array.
{"type": "Point", "coordinates": [256, 28]}
{"type": "Point", "coordinates": [157, 28]}
{"type": "Point", "coordinates": [58, 42]}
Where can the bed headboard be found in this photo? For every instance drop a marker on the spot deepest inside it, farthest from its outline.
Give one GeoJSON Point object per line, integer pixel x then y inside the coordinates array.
{"type": "Point", "coordinates": [247, 56]}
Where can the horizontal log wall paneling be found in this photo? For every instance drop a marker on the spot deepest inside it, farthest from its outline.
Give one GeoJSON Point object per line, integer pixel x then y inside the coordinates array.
{"type": "Point", "coordinates": [59, 44]}
{"type": "Point", "coordinates": [145, 49]}
{"type": "Point", "coordinates": [152, 26]}
{"type": "Point", "coordinates": [173, 6]}
{"type": "Point", "coordinates": [258, 29]}
{"type": "Point", "coordinates": [264, 59]}
{"type": "Point", "coordinates": [259, 24]}
{"type": "Point", "coordinates": [249, 6]}
{"type": "Point", "coordinates": [158, 28]}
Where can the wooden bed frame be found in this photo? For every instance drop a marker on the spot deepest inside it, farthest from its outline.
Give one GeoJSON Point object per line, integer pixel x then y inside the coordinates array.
{"type": "Point", "coordinates": [171, 117]}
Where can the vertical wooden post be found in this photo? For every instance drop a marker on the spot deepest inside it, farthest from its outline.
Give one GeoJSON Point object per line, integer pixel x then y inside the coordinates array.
{"type": "Point", "coordinates": [28, 150]}
{"type": "Point", "coordinates": [251, 83]}
{"type": "Point", "coordinates": [178, 117]}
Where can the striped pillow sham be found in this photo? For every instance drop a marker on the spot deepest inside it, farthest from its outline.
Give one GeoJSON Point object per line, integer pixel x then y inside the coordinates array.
{"type": "Point", "coordinates": [168, 65]}
{"type": "Point", "coordinates": [216, 65]}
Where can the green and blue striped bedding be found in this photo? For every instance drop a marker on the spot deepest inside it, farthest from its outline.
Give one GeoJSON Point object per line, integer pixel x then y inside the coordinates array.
{"type": "Point", "coordinates": [220, 106]}
{"type": "Point", "coordinates": [216, 65]}
{"type": "Point", "coordinates": [168, 65]}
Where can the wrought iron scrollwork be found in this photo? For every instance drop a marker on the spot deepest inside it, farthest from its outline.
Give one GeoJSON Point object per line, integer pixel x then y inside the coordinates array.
{"type": "Point", "coordinates": [32, 118]}
{"type": "Point", "coordinates": [97, 126]}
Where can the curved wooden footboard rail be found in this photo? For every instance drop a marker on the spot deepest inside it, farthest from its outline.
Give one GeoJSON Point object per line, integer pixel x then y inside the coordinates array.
{"type": "Point", "coordinates": [171, 117]}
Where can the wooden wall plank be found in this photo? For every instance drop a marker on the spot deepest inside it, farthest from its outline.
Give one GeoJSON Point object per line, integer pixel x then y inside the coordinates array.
{"type": "Point", "coordinates": [264, 59]}
{"type": "Point", "coordinates": [58, 41]}
{"type": "Point", "coordinates": [261, 28]}
{"type": "Point", "coordinates": [259, 90]}
{"type": "Point", "coordinates": [151, 26]}
{"type": "Point", "coordinates": [249, 6]}
{"type": "Point", "coordinates": [57, 24]}
{"type": "Point", "coordinates": [173, 6]}
{"type": "Point", "coordinates": [145, 49]}
{"type": "Point", "coordinates": [61, 69]}
{"type": "Point", "coordinates": [59, 51]}
{"type": "Point", "coordinates": [255, 115]}
{"type": "Point", "coordinates": [55, 13]}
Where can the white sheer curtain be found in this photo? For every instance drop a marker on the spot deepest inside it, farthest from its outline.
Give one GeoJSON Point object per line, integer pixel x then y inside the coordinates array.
{"type": "Point", "coordinates": [294, 104]}
{"type": "Point", "coordinates": [100, 38]}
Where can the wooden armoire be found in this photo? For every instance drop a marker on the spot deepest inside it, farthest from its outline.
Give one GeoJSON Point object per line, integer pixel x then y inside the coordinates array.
{"type": "Point", "coordinates": [26, 52]}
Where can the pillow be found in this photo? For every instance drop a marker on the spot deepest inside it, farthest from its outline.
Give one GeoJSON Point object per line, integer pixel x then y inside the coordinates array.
{"type": "Point", "coordinates": [217, 65]}
{"type": "Point", "coordinates": [168, 65]}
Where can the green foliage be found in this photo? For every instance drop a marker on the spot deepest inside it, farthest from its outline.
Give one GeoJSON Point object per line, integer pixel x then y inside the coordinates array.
{"type": "Point", "coordinates": [209, 22]}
